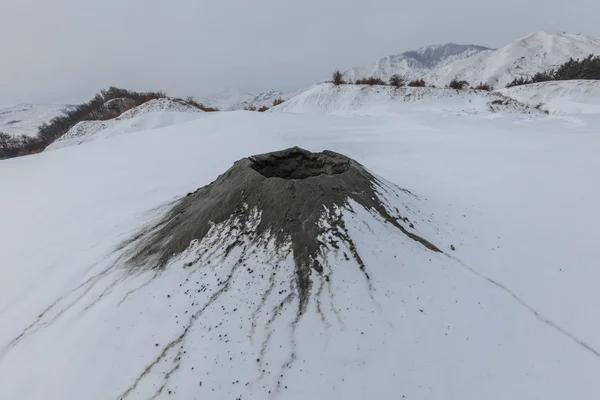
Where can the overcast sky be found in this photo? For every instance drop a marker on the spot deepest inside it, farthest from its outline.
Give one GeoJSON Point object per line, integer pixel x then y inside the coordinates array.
{"type": "Point", "coordinates": [66, 50]}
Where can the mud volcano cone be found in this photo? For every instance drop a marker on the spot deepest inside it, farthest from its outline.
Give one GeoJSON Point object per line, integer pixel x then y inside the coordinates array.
{"type": "Point", "coordinates": [289, 198]}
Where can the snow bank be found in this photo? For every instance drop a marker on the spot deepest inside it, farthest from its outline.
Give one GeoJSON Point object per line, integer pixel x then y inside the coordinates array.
{"type": "Point", "coordinates": [386, 100]}
{"type": "Point", "coordinates": [87, 131]}
{"type": "Point", "coordinates": [560, 97]}
{"type": "Point", "coordinates": [160, 105]}
{"type": "Point", "coordinates": [154, 114]}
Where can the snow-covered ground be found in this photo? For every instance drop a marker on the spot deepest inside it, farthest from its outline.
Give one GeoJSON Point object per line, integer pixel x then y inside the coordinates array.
{"type": "Point", "coordinates": [385, 100]}
{"type": "Point", "coordinates": [24, 119]}
{"type": "Point", "coordinates": [509, 314]}
{"type": "Point", "coordinates": [560, 97]}
{"type": "Point", "coordinates": [538, 52]}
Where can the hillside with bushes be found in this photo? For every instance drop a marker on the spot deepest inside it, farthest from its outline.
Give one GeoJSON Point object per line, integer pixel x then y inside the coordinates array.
{"type": "Point", "coordinates": [587, 68]}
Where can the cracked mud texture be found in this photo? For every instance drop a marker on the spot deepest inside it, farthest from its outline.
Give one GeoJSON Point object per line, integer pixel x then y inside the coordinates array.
{"type": "Point", "coordinates": [292, 189]}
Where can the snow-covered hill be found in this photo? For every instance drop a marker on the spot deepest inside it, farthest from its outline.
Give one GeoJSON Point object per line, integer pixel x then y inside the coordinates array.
{"type": "Point", "coordinates": [507, 314]}
{"type": "Point", "coordinates": [560, 97]}
{"type": "Point", "coordinates": [160, 105]}
{"type": "Point", "coordinates": [537, 52]}
{"type": "Point", "coordinates": [232, 100]}
{"type": "Point", "coordinates": [415, 64]}
{"type": "Point", "coordinates": [385, 100]}
{"type": "Point", "coordinates": [24, 119]}
{"type": "Point", "coordinates": [266, 99]}
{"type": "Point", "coordinates": [224, 99]}
{"type": "Point", "coordinates": [261, 99]}
{"type": "Point", "coordinates": [154, 114]}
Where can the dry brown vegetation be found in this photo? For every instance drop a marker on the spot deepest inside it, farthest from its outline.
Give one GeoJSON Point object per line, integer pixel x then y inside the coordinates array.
{"type": "Point", "coordinates": [191, 101]}
{"type": "Point", "coordinates": [371, 80]}
{"type": "Point", "coordinates": [337, 78]}
{"type": "Point", "coordinates": [416, 83]}
{"type": "Point", "coordinates": [484, 86]}
{"type": "Point", "coordinates": [107, 104]}
{"type": "Point", "coordinates": [458, 85]}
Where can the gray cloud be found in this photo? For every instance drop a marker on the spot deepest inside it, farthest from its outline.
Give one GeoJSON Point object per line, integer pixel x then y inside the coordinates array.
{"type": "Point", "coordinates": [65, 50]}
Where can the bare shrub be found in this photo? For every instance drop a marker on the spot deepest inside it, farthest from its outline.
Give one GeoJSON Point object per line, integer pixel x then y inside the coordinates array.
{"type": "Point", "coordinates": [337, 78]}
{"type": "Point", "coordinates": [417, 83]}
{"type": "Point", "coordinates": [484, 86]}
{"type": "Point", "coordinates": [191, 101]}
{"type": "Point", "coordinates": [396, 80]}
{"type": "Point", "coordinates": [458, 85]}
{"type": "Point", "coordinates": [371, 80]}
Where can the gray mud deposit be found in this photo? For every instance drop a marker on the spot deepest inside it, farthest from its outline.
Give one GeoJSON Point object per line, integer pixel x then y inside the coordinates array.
{"type": "Point", "coordinates": [291, 189]}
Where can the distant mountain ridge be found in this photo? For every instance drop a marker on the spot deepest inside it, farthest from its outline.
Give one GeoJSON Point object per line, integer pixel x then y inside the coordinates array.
{"type": "Point", "coordinates": [415, 63]}
{"type": "Point", "coordinates": [261, 99]}
{"type": "Point", "coordinates": [537, 52]}
{"type": "Point", "coordinates": [224, 99]}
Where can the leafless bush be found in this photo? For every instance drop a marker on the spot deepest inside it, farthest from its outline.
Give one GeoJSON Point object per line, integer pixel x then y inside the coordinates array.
{"type": "Point", "coordinates": [417, 83]}
{"type": "Point", "coordinates": [371, 80]}
{"type": "Point", "coordinates": [338, 78]}
{"type": "Point", "coordinates": [396, 80]}
{"type": "Point", "coordinates": [456, 84]}
{"type": "Point", "coordinates": [191, 101]}
{"type": "Point", "coordinates": [484, 86]}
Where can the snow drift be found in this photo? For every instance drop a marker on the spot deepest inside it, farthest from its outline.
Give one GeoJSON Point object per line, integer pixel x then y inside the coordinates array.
{"type": "Point", "coordinates": [559, 97]}
{"type": "Point", "coordinates": [386, 100]}
{"type": "Point", "coordinates": [156, 113]}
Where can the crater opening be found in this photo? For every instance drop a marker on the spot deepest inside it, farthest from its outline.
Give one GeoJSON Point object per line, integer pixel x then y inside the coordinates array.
{"type": "Point", "coordinates": [297, 163]}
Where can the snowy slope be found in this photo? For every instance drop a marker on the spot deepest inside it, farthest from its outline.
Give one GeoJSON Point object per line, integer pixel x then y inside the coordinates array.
{"type": "Point", "coordinates": [24, 119]}
{"type": "Point", "coordinates": [560, 97]}
{"type": "Point", "coordinates": [540, 51]}
{"type": "Point", "coordinates": [160, 105]}
{"type": "Point", "coordinates": [415, 64]}
{"type": "Point", "coordinates": [507, 315]}
{"type": "Point", "coordinates": [156, 113]}
{"type": "Point", "coordinates": [385, 100]}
